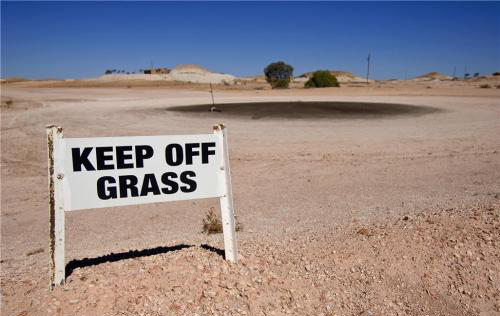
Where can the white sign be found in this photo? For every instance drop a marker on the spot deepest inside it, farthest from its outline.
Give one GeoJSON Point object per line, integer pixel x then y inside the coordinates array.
{"type": "Point", "coordinates": [117, 171]}
{"type": "Point", "coordinates": [102, 172]}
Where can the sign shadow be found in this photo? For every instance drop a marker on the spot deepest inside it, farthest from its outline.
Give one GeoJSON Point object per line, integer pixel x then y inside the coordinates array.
{"type": "Point", "coordinates": [218, 251]}
{"type": "Point", "coordinates": [113, 257]}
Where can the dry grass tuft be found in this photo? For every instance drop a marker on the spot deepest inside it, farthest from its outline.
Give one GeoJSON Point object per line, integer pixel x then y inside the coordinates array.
{"type": "Point", "coordinates": [485, 86]}
{"type": "Point", "coordinates": [365, 232]}
{"type": "Point", "coordinates": [7, 103]}
{"type": "Point", "coordinates": [212, 224]}
{"type": "Point", "coordinates": [34, 252]}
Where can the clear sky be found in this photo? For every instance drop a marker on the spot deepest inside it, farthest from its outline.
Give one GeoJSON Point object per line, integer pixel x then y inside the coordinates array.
{"type": "Point", "coordinates": [83, 39]}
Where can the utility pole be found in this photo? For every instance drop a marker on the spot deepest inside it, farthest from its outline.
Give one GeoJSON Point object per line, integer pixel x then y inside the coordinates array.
{"type": "Point", "coordinates": [368, 69]}
{"type": "Point", "coordinates": [454, 71]}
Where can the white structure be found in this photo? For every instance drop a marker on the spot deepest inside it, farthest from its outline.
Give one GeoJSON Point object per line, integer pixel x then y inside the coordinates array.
{"type": "Point", "coordinates": [103, 172]}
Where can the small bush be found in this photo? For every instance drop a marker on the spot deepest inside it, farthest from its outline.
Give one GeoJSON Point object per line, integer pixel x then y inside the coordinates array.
{"type": "Point", "coordinates": [322, 79]}
{"type": "Point", "coordinates": [278, 74]}
{"type": "Point", "coordinates": [213, 225]}
{"type": "Point", "coordinates": [496, 73]}
{"type": "Point", "coordinates": [485, 86]}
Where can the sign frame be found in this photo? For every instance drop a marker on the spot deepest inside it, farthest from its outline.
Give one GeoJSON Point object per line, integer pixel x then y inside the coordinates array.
{"type": "Point", "coordinates": [57, 207]}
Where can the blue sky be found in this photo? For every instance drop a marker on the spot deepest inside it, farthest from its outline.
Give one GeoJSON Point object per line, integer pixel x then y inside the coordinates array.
{"type": "Point", "coordinates": [82, 39]}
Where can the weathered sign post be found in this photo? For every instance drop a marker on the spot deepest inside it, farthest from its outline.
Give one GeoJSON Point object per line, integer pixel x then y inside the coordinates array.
{"type": "Point", "coordinates": [87, 173]}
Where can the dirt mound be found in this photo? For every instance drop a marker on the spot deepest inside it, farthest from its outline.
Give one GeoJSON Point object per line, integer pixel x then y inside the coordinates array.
{"type": "Point", "coordinates": [442, 262]}
{"type": "Point", "coordinates": [434, 76]}
{"type": "Point", "coordinates": [182, 73]}
{"type": "Point", "coordinates": [340, 73]}
{"type": "Point", "coordinates": [13, 79]}
{"type": "Point", "coordinates": [342, 76]}
{"type": "Point", "coordinates": [258, 79]}
{"type": "Point", "coordinates": [189, 69]}
{"type": "Point", "coordinates": [336, 73]}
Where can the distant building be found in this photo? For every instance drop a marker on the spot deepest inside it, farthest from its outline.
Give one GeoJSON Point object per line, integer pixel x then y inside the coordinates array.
{"type": "Point", "coordinates": [157, 71]}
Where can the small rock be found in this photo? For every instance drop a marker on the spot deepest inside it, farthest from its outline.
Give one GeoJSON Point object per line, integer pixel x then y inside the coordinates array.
{"type": "Point", "coordinates": [209, 294]}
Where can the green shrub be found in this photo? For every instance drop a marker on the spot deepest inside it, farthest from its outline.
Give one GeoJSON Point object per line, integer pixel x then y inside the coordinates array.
{"type": "Point", "coordinates": [322, 79]}
{"type": "Point", "coordinates": [278, 74]}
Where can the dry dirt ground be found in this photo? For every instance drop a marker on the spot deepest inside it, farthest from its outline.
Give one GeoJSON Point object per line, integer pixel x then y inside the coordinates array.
{"type": "Point", "coordinates": [379, 200]}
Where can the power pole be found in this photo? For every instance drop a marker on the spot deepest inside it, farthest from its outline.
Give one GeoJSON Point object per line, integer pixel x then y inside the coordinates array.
{"type": "Point", "coordinates": [454, 71]}
{"type": "Point", "coordinates": [368, 69]}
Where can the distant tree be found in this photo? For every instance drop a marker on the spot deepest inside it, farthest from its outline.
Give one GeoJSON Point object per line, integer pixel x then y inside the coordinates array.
{"type": "Point", "coordinates": [496, 73]}
{"type": "Point", "coordinates": [466, 75]}
{"type": "Point", "coordinates": [278, 74]}
{"type": "Point", "coordinates": [322, 79]}
{"type": "Point", "coordinates": [108, 72]}
{"type": "Point", "coordinates": [476, 74]}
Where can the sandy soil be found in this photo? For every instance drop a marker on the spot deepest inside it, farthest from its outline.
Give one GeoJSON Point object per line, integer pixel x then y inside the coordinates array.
{"type": "Point", "coordinates": [383, 209]}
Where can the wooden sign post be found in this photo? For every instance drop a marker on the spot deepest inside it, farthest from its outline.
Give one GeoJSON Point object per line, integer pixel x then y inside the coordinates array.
{"type": "Point", "coordinates": [87, 173]}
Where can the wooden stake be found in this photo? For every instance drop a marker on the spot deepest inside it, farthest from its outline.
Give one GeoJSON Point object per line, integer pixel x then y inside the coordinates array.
{"type": "Point", "coordinates": [56, 206]}
{"type": "Point", "coordinates": [212, 93]}
{"type": "Point", "coordinates": [226, 201]}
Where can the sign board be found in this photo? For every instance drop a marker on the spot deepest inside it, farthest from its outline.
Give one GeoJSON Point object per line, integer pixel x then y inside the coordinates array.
{"type": "Point", "coordinates": [88, 173]}
{"type": "Point", "coordinates": [117, 171]}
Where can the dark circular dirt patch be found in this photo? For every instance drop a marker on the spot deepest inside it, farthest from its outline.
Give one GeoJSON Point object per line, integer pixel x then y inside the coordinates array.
{"type": "Point", "coordinates": [304, 110]}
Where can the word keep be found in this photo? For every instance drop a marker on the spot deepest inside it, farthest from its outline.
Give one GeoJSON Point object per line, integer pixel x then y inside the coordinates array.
{"type": "Point", "coordinates": [129, 157]}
